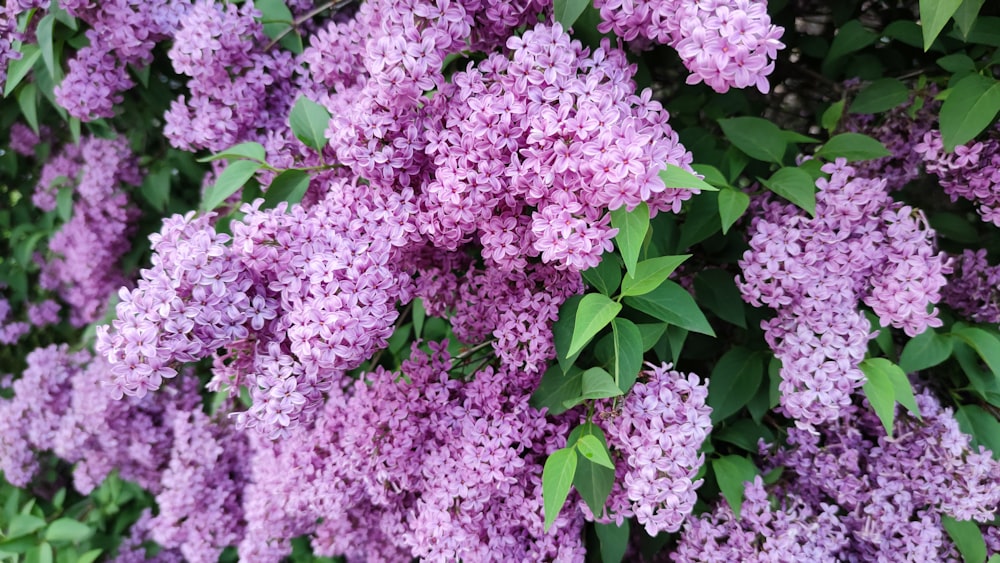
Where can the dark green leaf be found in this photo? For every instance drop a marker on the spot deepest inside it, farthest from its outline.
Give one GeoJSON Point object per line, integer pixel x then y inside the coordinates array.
{"type": "Point", "coordinates": [967, 537]}
{"type": "Point", "coordinates": [971, 105]}
{"type": "Point", "coordinates": [651, 334]}
{"type": "Point", "coordinates": [289, 186]}
{"type": "Point", "coordinates": [677, 177]}
{"type": "Point", "coordinates": [795, 185]}
{"type": "Point", "coordinates": [881, 95]}
{"type": "Point", "coordinates": [731, 472]}
{"type": "Point", "coordinates": [958, 62]}
{"type": "Point", "coordinates": [27, 99]}
{"type": "Point", "coordinates": [934, 14]}
{"type": "Point", "coordinates": [925, 350]}
{"type": "Point", "coordinates": [598, 384]}
{"type": "Point", "coordinates": [732, 205]}
{"type": "Point", "coordinates": [853, 147]}
{"type": "Point", "coordinates": [43, 33]}
{"type": "Point", "coordinates": [905, 31]}
{"type": "Point", "coordinates": [757, 137]}
{"type": "Point", "coordinates": [249, 150]}
{"type": "Point", "coordinates": [954, 227]}
{"type": "Point", "coordinates": [628, 352]}
{"type": "Point", "coordinates": [881, 395]}
{"type": "Point", "coordinates": [591, 448]}
{"type": "Point", "coordinates": [613, 540]}
{"type": "Point", "coordinates": [594, 483]}
{"type": "Point", "coordinates": [851, 37]}
{"type": "Point", "coordinates": [566, 12]}
{"type": "Point", "coordinates": [562, 331]}
{"type": "Point", "coordinates": [649, 274]}
{"type": "Point", "coordinates": [983, 426]}
{"type": "Point", "coordinates": [556, 388]}
{"type": "Point", "coordinates": [594, 313]}
{"type": "Point", "coordinates": [672, 304]}
{"type": "Point", "coordinates": [632, 227]}
{"type": "Point", "coordinates": [716, 290]}
{"type": "Point", "coordinates": [605, 276]}
{"type": "Point", "coordinates": [17, 69]}
{"type": "Point", "coordinates": [700, 222]}
{"type": "Point", "coordinates": [734, 380]}
{"type": "Point", "coordinates": [985, 344]}
{"type": "Point", "coordinates": [309, 121]}
{"type": "Point", "coordinates": [557, 478]}
{"type": "Point", "coordinates": [744, 434]}
{"type": "Point", "coordinates": [985, 31]}
{"type": "Point", "coordinates": [156, 187]}
{"type": "Point", "coordinates": [229, 182]}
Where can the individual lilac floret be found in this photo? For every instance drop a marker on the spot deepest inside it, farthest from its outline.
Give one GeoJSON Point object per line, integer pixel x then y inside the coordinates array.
{"type": "Point", "coordinates": [974, 287]}
{"type": "Point", "coordinates": [971, 172]}
{"type": "Point", "coordinates": [656, 439]}
{"type": "Point", "coordinates": [725, 43]}
{"type": "Point", "coordinates": [860, 247]}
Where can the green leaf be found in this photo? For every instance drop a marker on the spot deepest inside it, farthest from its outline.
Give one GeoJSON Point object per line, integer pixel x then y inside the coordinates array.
{"type": "Point", "coordinates": [757, 137]}
{"type": "Point", "coordinates": [985, 31]}
{"type": "Point", "coordinates": [734, 380]}
{"type": "Point", "coordinates": [672, 304]}
{"type": "Point", "coordinates": [276, 19]}
{"type": "Point", "coordinates": [289, 186]}
{"type": "Point", "coordinates": [598, 384]}
{"type": "Point", "coordinates": [966, 14]}
{"type": "Point", "coordinates": [967, 537]}
{"type": "Point", "coordinates": [613, 541]}
{"type": "Point", "coordinates": [831, 117]}
{"type": "Point", "coordinates": [156, 187]}
{"type": "Point", "coordinates": [731, 472]}
{"type": "Point", "coordinates": [309, 120]}
{"type": "Point", "coordinates": [557, 478]}
{"type": "Point", "coordinates": [594, 483]}
{"type": "Point", "coordinates": [651, 334]}
{"type": "Point", "coordinates": [419, 315]}
{"type": "Point", "coordinates": [716, 290]}
{"type": "Point", "coordinates": [795, 185]}
{"type": "Point", "coordinates": [41, 553]}
{"type": "Point", "coordinates": [853, 147]}
{"type": "Point", "coordinates": [934, 14]}
{"type": "Point", "coordinates": [985, 344]}
{"type": "Point", "coordinates": [24, 524]}
{"type": "Point", "coordinates": [562, 331]}
{"type": "Point", "coordinates": [881, 395]}
{"type": "Point", "coordinates": [632, 227]}
{"type": "Point", "coordinates": [902, 389]}
{"type": "Point", "coordinates": [27, 99]}
{"type": "Point", "coordinates": [744, 434]}
{"type": "Point", "coordinates": [957, 62]}
{"type": "Point", "coordinates": [17, 69]}
{"type": "Point", "coordinates": [590, 447]}
{"type": "Point", "coordinates": [677, 177]}
{"type": "Point", "coordinates": [628, 352]}
{"type": "Point", "coordinates": [566, 12]}
{"type": "Point", "coordinates": [64, 203]}
{"type": "Point", "coordinates": [68, 529]}
{"type": "Point", "coordinates": [229, 182]}
{"type": "Point", "coordinates": [594, 313]}
{"type": "Point", "coordinates": [972, 104]}
{"type": "Point", "coordinates": [712, 174]}
{"type": "Point", "coordinates": [983, 426]}
{"type": "Point", "coordinates": [732, 205]}
{"type": "Point", "coordinates": [649, 274]}
{"type": "Point", "coordinates": [925, 350]}
{"type": "Point", "coordinates": [605, 276]}
{"type": "Point", "coordinates": [556, 389]}
{"type": "Point", "coordinates": [249, 150]}
{"type": "Point", "coordinates": [43, 33]}
{"type": "Point", "coordinates": [851, 37]}
{"type": "Point", "coordinates": [881, 95]}
{"type": "Point", "coordinates": [90, 556]}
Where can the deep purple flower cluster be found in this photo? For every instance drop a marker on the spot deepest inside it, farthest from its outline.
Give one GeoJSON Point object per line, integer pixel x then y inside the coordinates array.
{"type": "Point", "coordinates": [852, 493]}
{"type": "Point", "coordinates": [84, 268]}
{"type": "Point", "coordinates": [657, 436]}
{"type": "Point", "coordinates": [971, 172]}
{"type": "Point", "coordinates": [724, 43]}
{"type": "Point", "coordinates": [861, 247]}
{"type": "Point", "coordinates": [974, 288]}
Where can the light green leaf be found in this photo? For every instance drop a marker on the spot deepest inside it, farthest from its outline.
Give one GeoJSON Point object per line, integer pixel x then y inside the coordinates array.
{"type": "Point", "coordinates": [831, 117]}
{"type": "Point", "coordinates": [613, 540]}
{"type": "Point", "coordinates": [90, 556]}
{"type": "Point", "coordinates": [68, 529]}
{"type": "Point", "coordinates": [43, 33]}
{"type": "Point", "coordinates": [24, 524]}
{"type": "Point", "coordinates": [972, 104]}
{"type": "Point", "coordinates": [672, 304]}
{"type": "Point", "coordinates": [590, 447]}
{"type": "Point", "coordinates": [229, 182]}
{"type": "Point", "coordinates": [967, 537]}
{"type": "Point", "coordinates": [309, 121]}
{"type": "Point", "coordinates": [934, 14]}
{"type": "Point", "coordinates": [925, 350]}
{"type": "Point", "coordinates": [795, 185]}
{"type": "Point", "coordinates": [64, 203]}
{"type": "Point", "coordinates": [985, 344]}
{"type": "Point", "coordinates": [566, 12]}
{"type": "Point", "coordinates": [732, 205]}
{"type": "Point", "coordinates": [881, 95]}
{"type": "Point", "coordinates": [249, 150]}
{"type": "Point", "coordinates": [902, 389]}
{"type": "Point", "coordinates": [983, 426]}
{"type": "Point", "coordinates": [594, 313]}
{"type": "Point", "coordinates": [27, 99]}
{"type": "Point", "coordinates": [632, 228]}
{"type": "Point", "coordinates": [881, 395]}
{"type": "Point", "coordinates": [734, 380]}
{"type": "Point", "coordinates": [966, 14]}
{"type": "Point", "coordinates": [289, 186]}
{"type": "Point", "coordinates": [649, 274]}
{"type": "Point", "coordinates": [676, 177]}
{"type": "Point", "coordinates": [557, 478]}
{"type": "Point", "coordinates": [17, 69]}
{"type": "Point", "coordinates": [731, 472]}
{"type": "Point", "coordinates": [605, 276]}
{"type": "Point", "coordinates": [628, 352]}
{"type": "Point", "coordinates": [598, 384]}
{"type": "Point", "coordinates": [757, 137]}
{"type": "Point", "coordinates": [853, 147]}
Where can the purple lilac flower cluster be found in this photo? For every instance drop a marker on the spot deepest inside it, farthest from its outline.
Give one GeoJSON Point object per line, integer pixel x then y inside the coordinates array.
{"type": "Point", "coordinates": [974, 288]}
{"type": "Point", "coordinates": [657, 436]}
{"type": "Point", "coordinates": [853, 493]}
{"type": "Point", "coordinates": [971, 171]}
{"type": "Point", "coordinates": [39, 315]}
{"type": "Point", "coordinates": [10, 13]}
{"type": "Point", "coordinates": [861, 246]}
{"type": "Point", "coordinates": [723, 43]}
{"type": "Point", "coordinates": [386, 453]}
{"type": "Point", "coordinates": [86, 250]}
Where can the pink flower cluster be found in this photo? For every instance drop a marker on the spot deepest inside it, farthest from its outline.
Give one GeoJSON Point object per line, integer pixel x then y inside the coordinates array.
{"type": "Point", "coordinates": [657, 438]}
{"type": "Point", "coordinates": [861, 247]}
{"type": "Point", "coordinates": [724, 43]}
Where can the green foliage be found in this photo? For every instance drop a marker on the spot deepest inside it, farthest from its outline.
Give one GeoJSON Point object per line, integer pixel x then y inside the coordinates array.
{"type": "Point", "coordinates": [309, 121]}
